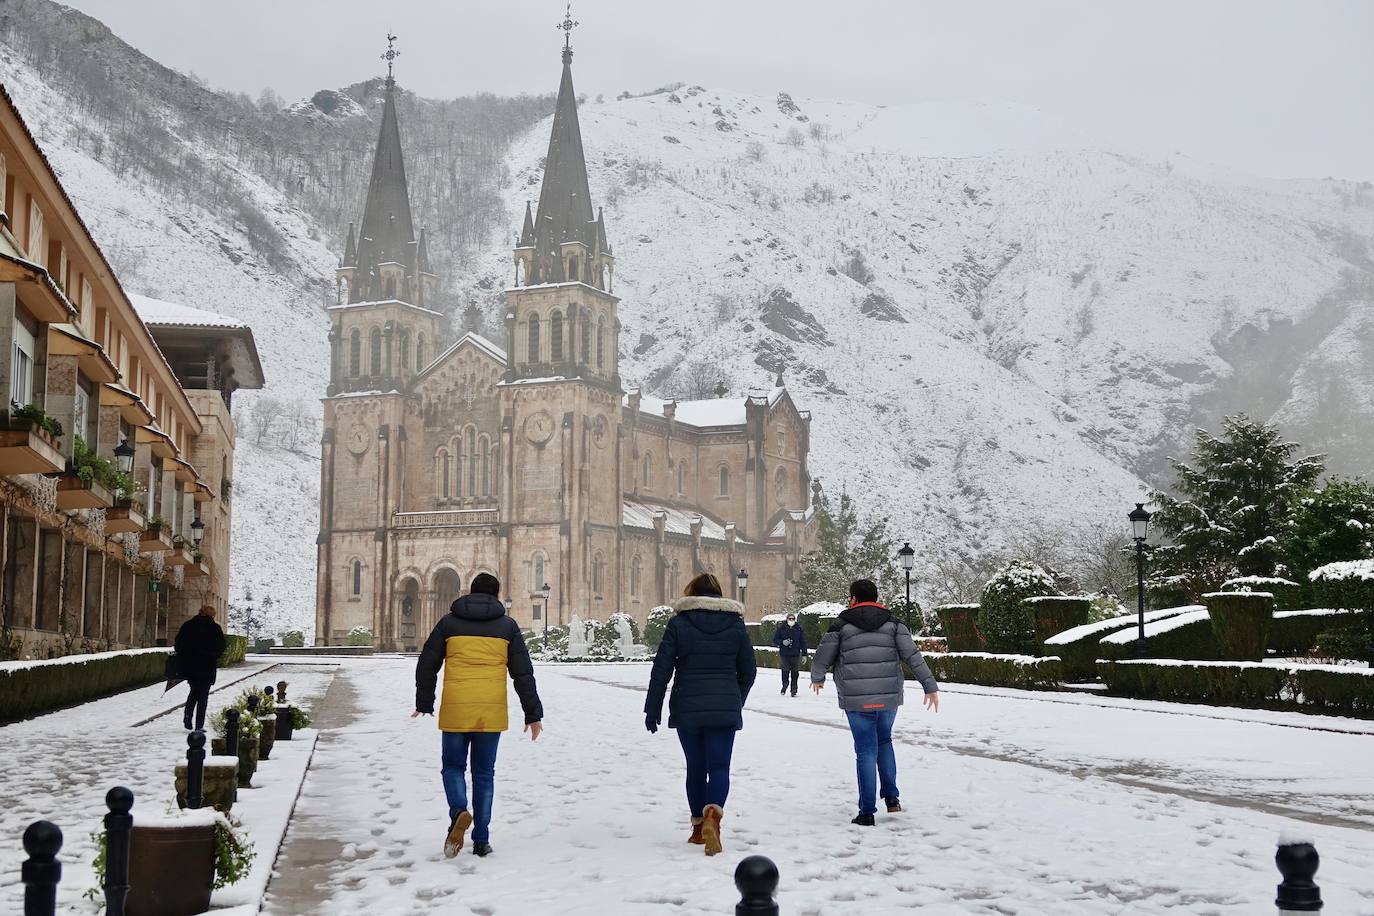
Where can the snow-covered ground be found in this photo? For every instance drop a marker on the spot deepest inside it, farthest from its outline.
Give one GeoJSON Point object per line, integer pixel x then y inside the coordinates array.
{"type": "Point", "coordinates": [1018, 803]}
{"type": "Point", "coordinates": [58, 767]}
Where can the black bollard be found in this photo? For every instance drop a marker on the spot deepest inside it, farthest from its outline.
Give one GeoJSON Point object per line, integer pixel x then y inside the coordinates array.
{"type": "Point", "coordinates": [252, 704]}
{"type": "Point", "coordinates": [271, 696]}
{"type": "Point", "coordinates": [757, 880]}
{"type": "Point", "coordinates": [118, 823]}
{"type": "Point", "coordinates": [195, 769]}
{"type": "Point", "coordinates": [231, 733]}
{"type": "Point", "coordinates": [1298, 893]}
{"type": "Point", "coordinates": [41, 871]}
{"type": "Point", "coordinates": [281, 691]}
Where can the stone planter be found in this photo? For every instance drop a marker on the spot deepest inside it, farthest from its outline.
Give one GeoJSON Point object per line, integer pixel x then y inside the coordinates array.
{"type": "Point", "coordinates": [286, 725]}
{"type": "Point", "coordinates": [171, 870]}
{"type": "Point", "coordinates": [248, 759]}
{"type": "Point", "coordinates": [268, 736]}
{"type": "Point", "coordinates": [221, 776]}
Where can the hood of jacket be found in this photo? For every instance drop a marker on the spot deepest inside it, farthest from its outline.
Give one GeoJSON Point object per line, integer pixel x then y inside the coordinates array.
{"type": "Point", "coordinates": [478, 607]}
{"type": "Point", "coordinates": [711, 615]}
{"type": "Point", "coordinates": [868, 616]}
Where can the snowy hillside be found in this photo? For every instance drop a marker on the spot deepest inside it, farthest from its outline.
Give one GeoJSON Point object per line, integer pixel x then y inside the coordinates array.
{"type": "Point", "coordinates": [997, 325]}
{"type": "Point", "coordinates": [994, 330]}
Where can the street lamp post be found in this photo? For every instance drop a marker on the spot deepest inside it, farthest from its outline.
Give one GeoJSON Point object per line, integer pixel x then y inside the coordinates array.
{"type": "Point", "coordinates": [544, 590]}
{"type": "Point", "coordinates": [124, 454]}
{"type": "Point", "coordinates": [1140, 529]}
{"type": "Point", "coordinates": [742, 582]}
{"type": "Point", "coordinates": [907, 556]}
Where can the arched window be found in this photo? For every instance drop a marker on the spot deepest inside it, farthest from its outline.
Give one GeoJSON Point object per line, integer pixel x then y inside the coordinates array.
{"type": "Point", "coordinates": [376, 345]}
{"type": "Point", "coordinates": [724, 480]}
{"type": "Point", "coordinates": [572, 269]}
{"type": "Point", "coordinates": [780, 486]}
{"type": "Point", "coordinates": [533, 338]}
{"type": "Point", "coordinates": [598, 573]}
{"type": "Point", "coordinates": [443, 469]}
{"type": "Point", "coordinates": [672, 577]}
{"type": "Point", "coordinates": [471, 451]}
{"type": "Point", "coordinates": [405, 349]}
{"type": "Point", "coordinates": [484, 479]}
{"type": "Point", "coordinates": [646, 477]}
{"type": "Point", "coordinates": [420, 352]}
{"type": "Point", "coordinates": [682, 478]}
{"type": "Point", "coordinates": [391, 288]}
{"type": "Point", "coordinates": [586, 340]}
{"type": "Point", "coordinates": [357, 577]}
{"type": "Point", "coordinates": [537, 572]}
{"type": "Point", "coordinates": [601, 343]}
{"type": "Point", "coordinates": [355, 353]}
{"type": "Point", "coordinates": [556, 336]}
{"type": "Point", "coordinates": [462, 459]}
{"type": "Point", "coordinates": [636, 572]}
{"type": "Point", "coordinates": [448, 586]}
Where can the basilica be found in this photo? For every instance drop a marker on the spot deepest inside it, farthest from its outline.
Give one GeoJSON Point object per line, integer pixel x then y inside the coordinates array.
{"type": "Point", "coordinates": [447, 455]}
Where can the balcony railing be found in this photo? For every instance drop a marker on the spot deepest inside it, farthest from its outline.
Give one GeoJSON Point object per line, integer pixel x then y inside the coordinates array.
{"type": "Point", "coordinates": [447, 518]}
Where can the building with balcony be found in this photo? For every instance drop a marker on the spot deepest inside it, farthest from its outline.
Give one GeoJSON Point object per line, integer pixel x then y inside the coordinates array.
{"type": "Point", "coordinates": [110, 469]}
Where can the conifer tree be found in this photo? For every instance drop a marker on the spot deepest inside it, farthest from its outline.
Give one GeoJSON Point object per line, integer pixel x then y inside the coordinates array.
{"type": "Point", "coordinates": [1232, 508]}
{"type": "Point", "coordinates": [846, 549]}
{"type": "Point", "coordinates": [1331, 524]}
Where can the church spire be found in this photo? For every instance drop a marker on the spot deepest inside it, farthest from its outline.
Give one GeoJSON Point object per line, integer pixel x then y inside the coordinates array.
{"type": "Point", "coordinates": [565, 207]}
{"type": "Point", "coordinates": [386, 234]}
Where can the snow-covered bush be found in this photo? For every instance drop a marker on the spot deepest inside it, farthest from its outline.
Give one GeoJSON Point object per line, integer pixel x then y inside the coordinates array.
{"type": "Point", "coordinates": [959, 623]}
{"type": "Point", "coordinates": [28, 688]}
{"type": "Point", "coordinates": [555, 649]}
{"type": "Point", "coordinates": [1287, 594]}
{"type": "Point", "coordinates": [360, 636]}
{"type": "Point", "coordinates": [1348, 584]}
{"type": "Point", "coordinates": [235, 650]}
{"type": "Point", "coordinates": [656, 624]}
{"type": "Point", "coordinates": [293, 639]}
{"type": "Point", "coordinates": [1005, 622]}
{"type": "Point", "coordinates": [1314, 688]}
{"type": "Point", "coordinates": [1241, 623]}
{"type": "Point", "coordinates": [1105, 606]}
{"type": "Point", "coordinates": [628, 621]}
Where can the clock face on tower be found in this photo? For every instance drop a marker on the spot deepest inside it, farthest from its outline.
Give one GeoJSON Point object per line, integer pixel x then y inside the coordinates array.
{"type": "Point", "coordinates": [358, 439]}
{"type": "Point", "coordinates": [539, 427]}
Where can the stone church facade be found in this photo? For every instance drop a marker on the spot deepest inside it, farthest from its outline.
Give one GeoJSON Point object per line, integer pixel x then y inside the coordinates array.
{"type": "Point", "coordinates": [443, 458]}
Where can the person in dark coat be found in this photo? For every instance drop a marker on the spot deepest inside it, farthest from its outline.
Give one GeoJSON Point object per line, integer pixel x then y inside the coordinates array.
{"type": "Point", "coordinates": [707, 654]}
{"type": "Point", "coordinates": [199, 644]}
{"type": "Point", "coordinates": [790, 640]}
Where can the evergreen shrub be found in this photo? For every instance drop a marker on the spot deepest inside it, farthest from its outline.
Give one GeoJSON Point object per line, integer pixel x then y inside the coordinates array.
{"type": "Point", "coordinates": [1288, 596]}
{"type": "Point", "coordinates": [959, 622]}
{"type": "Point", "coordinates": [1345, 585]}
{"type": "Point", "coordinates": [1188, 636]}
{"type": "Point", "coordinates": [1005, 622]}
{"type": "Point", "coordinates": [1056, 613]}
{"type": "Point", "coordinates": [235, 650]}
{"type": "Point", "coordinates": [1019, 671]}
{"type": "Point", "coordinates": [656, 624]}
{"type": "Point", "coordinates": [293, 639]}
{"type": "Point", "coordinates": [1306, 688]}
{"type": "Point", "coordinates": [360, 636]}
{"type": "Point", "coordinates": [813, 625]}
{"type": "Point", "coordinates": [752, 628]}
{"type": "Point", "coordinates": [1294, 633]}
{"type": "Point", "coordinates": [31, 689]}
{"type": "Point", "coordinates": [1240, 623]}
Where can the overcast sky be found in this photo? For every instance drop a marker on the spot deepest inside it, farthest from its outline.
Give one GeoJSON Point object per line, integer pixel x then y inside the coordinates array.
{"type": "Point", "coordinates": [1281, 88]}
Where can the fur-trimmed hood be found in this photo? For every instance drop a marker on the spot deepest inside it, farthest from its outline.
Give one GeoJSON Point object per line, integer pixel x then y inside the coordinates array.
{"type": "Point", "coordinates": [704, 603]}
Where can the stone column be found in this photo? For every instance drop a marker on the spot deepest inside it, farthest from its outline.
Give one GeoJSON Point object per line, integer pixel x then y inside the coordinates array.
{"type": "Point", "coordinates": [73, 615]}
{"type": "Point", "coordinates": [60, 398]}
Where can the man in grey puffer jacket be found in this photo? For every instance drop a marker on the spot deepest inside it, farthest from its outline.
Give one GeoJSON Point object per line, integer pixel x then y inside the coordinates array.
{"type": "Point", "coordinates": [867, 646]}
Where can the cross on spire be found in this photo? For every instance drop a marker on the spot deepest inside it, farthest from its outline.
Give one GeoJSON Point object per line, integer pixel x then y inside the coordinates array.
{"type": "Point", "coordinates": [390, 55]}
{"type": "Point", "coordinates": [566, 27]}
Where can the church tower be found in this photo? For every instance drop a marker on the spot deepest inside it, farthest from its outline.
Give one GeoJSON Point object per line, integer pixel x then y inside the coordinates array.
{"type": "Point", "coordinates": [384, 329]}
{"type": "Point", "coordinates": [562, 393]}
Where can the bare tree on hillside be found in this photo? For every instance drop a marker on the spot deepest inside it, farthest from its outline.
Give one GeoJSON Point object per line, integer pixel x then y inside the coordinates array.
{"type": "Point", "coordinates": [265, 414]}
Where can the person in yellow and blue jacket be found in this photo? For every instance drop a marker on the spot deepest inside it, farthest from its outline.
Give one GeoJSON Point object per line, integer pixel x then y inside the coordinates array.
{"type": "Point", "coordinates": [476, 644]}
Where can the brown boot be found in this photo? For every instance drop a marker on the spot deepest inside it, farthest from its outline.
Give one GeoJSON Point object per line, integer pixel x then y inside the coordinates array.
{"type": "Point", "coordinates": [710, 829]}
{"type": "Point", "coordinates": [695, 839]}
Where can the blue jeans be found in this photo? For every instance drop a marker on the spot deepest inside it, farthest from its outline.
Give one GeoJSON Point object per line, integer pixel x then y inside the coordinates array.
{"type": "Point", "coordinates": [456, 747]}
{"type": "Point", "coordinates": [707, 751]}
{"type": "Point", "coordinates": [872, 733]}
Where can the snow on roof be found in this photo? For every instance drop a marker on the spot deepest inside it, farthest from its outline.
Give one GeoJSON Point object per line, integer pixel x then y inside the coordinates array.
{"type": "Point", "coordinates": [359, 305]}
{"type": "Point", "coordinates": [1128, 635]}
{"type": "Point", "coordinates": [679, 521]}
{"type": "Point", "coordinates": [709, 412]}
{"type": "Point", "coordinates": [477, 340]}
{"type": "Point", "coordinates": [799, 515]}
{"type": "Point", "coordinates": [158, 312]}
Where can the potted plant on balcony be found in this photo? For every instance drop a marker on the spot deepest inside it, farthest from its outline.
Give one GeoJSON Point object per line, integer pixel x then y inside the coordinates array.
{"type": "Point", "coordinates": [177, 860]}
{"type": "Point", "coordinates": [33, 418]}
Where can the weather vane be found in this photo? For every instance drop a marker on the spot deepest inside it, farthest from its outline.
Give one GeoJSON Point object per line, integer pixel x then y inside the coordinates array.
{"type": "Point", "coordinates": [566, 27]}
{"type": "Point", "coordinates": [391, 54]}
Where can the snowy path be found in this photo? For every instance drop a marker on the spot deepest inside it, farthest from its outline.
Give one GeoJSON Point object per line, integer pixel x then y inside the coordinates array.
{"type": "Point", "coordinates": [58, 767]}
{"type": "Point", "coordinates": [1015, 807]}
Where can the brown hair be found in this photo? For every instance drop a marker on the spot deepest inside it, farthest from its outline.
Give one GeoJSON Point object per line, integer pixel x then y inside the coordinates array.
{"type": "Point", "coordinates": [210, 608]}
{"type": "Point", "coordinates": [703, 585]}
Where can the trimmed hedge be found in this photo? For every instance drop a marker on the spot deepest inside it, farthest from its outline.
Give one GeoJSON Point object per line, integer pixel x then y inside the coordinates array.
{"type": "Point", "coordinates": [1295, 632]}
{"type": "Point", "coordinates": [1306, 688]}
{"type": "Point", "coordinates": [32, 688]}
{"type": "Point", "coordinates": [1080, 647]}
{"type": "Point", "coordinates": [960, 625]}
{"type": "Point", "coordinates": [1193, 639]}
{"type": "Point", "coordinates": [235, 651]}
{"type": "Point", "coordinates": [1020, 671]}
{"type": "Point", "coordinates": [767, 630]}
{"type": "Point", "coordinates": [1288, 595]}
{"type": "Point", "coordinates": [1241, 623]}
{"type": "Point", "coordinates": [1056, 613]}
{"type": "Point", "coordinates": [752, 628]}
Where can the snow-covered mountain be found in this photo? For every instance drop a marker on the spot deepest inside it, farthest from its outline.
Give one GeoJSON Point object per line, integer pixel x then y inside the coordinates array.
{"type": "Point", "coordinates": [998, 325]}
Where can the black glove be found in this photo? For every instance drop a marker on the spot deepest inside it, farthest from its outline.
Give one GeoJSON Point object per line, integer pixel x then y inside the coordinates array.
{"type": "Point", "coordinates": [651, 722]}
